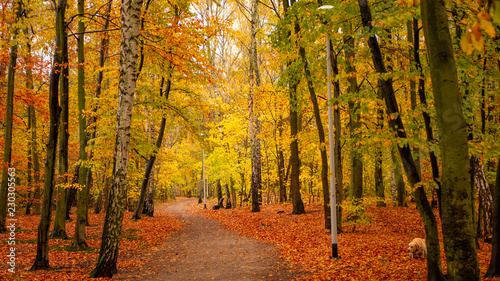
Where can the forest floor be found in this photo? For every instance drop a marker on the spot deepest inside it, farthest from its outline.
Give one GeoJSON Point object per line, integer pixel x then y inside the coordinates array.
{"type": "Point", "coordinates": [186, 242]}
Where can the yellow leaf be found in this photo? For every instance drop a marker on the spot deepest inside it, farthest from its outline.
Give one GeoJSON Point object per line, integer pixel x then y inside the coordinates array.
{"type": "Point", "coordinates": [466, 44]}
{"type": "Point", "coordinates": [478, 43]}
{"type": "Point", "coordinates": [488, 27]}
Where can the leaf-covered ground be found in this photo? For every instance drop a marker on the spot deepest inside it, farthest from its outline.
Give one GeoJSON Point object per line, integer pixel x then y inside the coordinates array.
{"type": "Point", "coordinates": [377, 251]}
{"type": "Point", "coordinates": [138, 237]}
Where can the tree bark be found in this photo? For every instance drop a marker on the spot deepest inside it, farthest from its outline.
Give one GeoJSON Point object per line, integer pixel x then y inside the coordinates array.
{"type": "Point", "coordinates": [42, 251]}
{"type": "Point", "coordinates": [457, 217]}
{"type": "Point", "coordinates": [79, 240]}
{"type": "Point", "coordinates": [129, 49]}
{"type": "Point", "coordinates": [254, 126]}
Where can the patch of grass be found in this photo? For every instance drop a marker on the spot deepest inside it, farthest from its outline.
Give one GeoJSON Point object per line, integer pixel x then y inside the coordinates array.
{"type": "Point", "coordinates": [130, 234]}
{"type": "Point", "coordinates": [69, 248]}
{"type": "Point", "coordinates": [145, 244]}
{"type": "Point", "coordinates": [28, 241]}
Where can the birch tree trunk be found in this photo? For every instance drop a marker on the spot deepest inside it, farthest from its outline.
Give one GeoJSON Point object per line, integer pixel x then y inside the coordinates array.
{"type": "Point", "coordinates": [254, 126]}
{"type": "Point", "coordinates": [129, 49]}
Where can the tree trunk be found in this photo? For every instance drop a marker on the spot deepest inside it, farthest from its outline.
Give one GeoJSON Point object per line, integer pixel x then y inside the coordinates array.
{"type": "Point", "coordinates": [59, 229]}
{"type": "Point", "coordinates": [254, 126]}
{"type": "Point", "coordinates": [79, 240]}
{"type": "Point", "coordinates": [281, 165]}
{"type": "Point", "coordinates": [457, 216]}
{"type": "Point", "coordinates": [152, 158]}
{"type": "Point", "coordinates": [228, 196]}
{"type": "Point", "coordinates": [494, 267]}
{"type": "Point", "coordinates": [9, 118]}
{"type": "Point", "coordinates": [430, 224]}
{"type": "Point", "coordinates": [379, 177]}
{"type": "Point", "coordinates": [149, 206]}
{"type": "Point", "coordinates": [398, 177]}
{"type": "Point", "coordinates": [322, 141]}
{"type": "Point", "coordinates": [70, 199]}
{"type": "Point", "coordinates": [130, 31]}
{"type": "Point", "coordinates": [42, 251]}
{"type": "Point", "coordinates": [356, 189]}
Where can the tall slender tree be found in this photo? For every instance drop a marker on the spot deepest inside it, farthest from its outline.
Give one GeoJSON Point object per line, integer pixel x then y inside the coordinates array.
{"type": "Point", "coordinates": [9, 119]}
{"type": "Point", "coordinates": [129, 49]}
{"type": "Point", "coordinates": [254, 123]}
{"type": "Point", "coordinates": [42, 253]}
{"type": "Point", "coordinates": [82, 202]}
{"type": "Point", "coordinates": [61, 195]}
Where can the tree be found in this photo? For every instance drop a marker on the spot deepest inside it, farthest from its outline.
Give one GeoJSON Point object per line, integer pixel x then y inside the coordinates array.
{"type": "Point", "coordinates": [356, 190]}
{"type": "Point", "coordinates": [82, 193]}
{"type": "Point", "coordinates": [129, 49]}
{"type": "Point", "coordinates": [457, 217]}
{"type": "Point", "coordinates": [9, 119]}
{"type": "Point", "coordinates": [42, 253]}
{"type": "Point", "coordinates": [61, 195]}
{"type": "Point", "coordinates": [254, 124]}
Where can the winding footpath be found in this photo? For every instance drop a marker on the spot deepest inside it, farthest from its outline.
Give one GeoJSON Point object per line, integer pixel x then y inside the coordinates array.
{"type": "Point", "coordinates": [203, 250]}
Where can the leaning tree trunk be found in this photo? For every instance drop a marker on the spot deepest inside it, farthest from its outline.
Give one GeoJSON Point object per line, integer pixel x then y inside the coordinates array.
{"type": "Point", "coordinates": [9, 118]}
{"type": "Point", "coordinates": [321, 136]}
{"type": "Point", "coordinates": [42, 251]}
{"type": "Point", "coordinates": [152, 158]}
{"type": "Point", "coordinates": [129, 49]}
{"type": "Point", "coordinates": [425, 115]}
{"type": "Point", "coordinates": [428, 218]}
{"type": "Point", "coordinates": [59, 229]}
{"type": "Point", "coordinates": [457, 217]}
{"type": "Point", "coordinates": [228, 196]}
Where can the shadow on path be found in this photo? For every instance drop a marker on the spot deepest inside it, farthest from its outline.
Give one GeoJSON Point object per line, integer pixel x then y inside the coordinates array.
{"type": "Point", "coordinates": [202, 250]}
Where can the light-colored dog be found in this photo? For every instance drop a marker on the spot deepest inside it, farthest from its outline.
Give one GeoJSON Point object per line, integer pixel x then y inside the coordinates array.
{"type": "Point", "coordinates": [417, 248]}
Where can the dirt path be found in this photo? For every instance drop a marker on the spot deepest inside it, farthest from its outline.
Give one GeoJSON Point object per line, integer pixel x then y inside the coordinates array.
{"type": "Point", "coordinates": [202, 250]}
